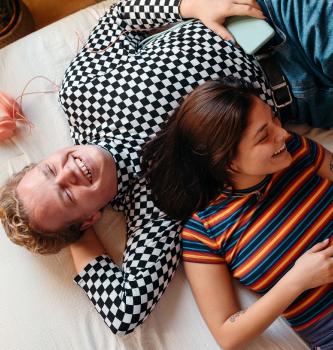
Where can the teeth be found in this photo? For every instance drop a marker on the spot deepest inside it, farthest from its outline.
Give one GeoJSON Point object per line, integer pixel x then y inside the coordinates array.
{"type": "Point", "coordinates": [86, 171]}
{"type": "Point", "coordinates": [280, 150]}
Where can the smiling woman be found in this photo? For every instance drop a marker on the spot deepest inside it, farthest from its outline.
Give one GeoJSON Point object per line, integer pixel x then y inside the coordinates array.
{"type": "Point", "coordinates": [71, 188]}
{"type": "Point", "coordinates": [260, 205]}
{"type": "Point", "coordinates": [216, 140]}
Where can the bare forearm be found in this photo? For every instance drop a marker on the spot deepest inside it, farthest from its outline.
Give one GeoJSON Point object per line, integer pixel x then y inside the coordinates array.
{"type": "Point", "coordinates": [87, 248]}
{"type": "Point", "coordinates": [245, 325]}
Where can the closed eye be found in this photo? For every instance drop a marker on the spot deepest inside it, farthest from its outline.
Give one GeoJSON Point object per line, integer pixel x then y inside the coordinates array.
{"type": "Point", "coordinates": [51, 170]}
{"type": "Point", "coordinates": [68, 195]}
{"type": "Point", "coordinates": [263, 139]}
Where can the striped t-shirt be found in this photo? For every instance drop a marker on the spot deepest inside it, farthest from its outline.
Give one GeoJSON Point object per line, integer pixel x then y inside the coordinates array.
{"type": "Point", "coordinates": [260, 232]}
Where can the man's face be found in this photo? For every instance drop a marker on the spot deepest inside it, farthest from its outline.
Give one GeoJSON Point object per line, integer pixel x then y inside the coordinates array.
{"type": "Point", "coordinates": [70, 185]}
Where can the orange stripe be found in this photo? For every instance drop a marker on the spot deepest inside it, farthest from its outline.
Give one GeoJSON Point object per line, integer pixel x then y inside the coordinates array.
{"type": "Point", "coordinates": [225, 213]}
{"type": "Point", "coordinates": [314, 320]}
{"type": "Point", "coordinates": [236, 226]}
{"type": "Point", "coordinates": [310, 300]}
{"type": "Point", "coordinates": [265, 218]}
{"type": "Point", "coordinates": [310, 234]}
{"type": "Point", "coordinates": [304, 149]}
{"type": "Point", "coordinates": [195, 236]}
{"type": "Point", "coordinates": [202, 257]}
{"type": "Point", "coordinates": [278, 205]}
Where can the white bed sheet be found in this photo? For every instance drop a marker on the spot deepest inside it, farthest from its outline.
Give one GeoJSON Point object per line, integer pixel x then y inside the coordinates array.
{"type": "Point", "coordinates": [40, 306]}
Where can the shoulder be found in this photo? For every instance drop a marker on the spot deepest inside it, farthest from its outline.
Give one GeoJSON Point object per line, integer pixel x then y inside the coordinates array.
{"type": "Point", "coordinates": [216, 215]}
{"type": "Point", "coordinates": [304, 151]}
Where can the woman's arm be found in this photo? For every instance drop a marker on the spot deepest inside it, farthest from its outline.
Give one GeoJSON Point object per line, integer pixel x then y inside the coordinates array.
{"type": "Point", "coordinates": [232, 327]}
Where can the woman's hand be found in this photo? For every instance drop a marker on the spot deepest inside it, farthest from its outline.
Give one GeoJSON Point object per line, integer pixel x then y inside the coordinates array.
{"type": "Point", "coordinates": [315, 267]}
{"type": "Point", "coordinates": [212, 13]}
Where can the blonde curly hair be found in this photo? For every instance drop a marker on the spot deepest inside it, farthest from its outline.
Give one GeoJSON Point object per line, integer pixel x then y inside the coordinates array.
{"type": "Point", "coordinates": [19, 228]}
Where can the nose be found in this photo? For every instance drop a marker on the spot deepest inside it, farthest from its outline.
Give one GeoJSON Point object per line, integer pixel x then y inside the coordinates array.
{"type": "Point", "coordinates": [66, 176]}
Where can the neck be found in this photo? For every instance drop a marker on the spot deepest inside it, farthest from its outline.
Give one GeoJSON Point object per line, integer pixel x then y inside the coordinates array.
{"type": "Point", "coordinates": [243, 182]}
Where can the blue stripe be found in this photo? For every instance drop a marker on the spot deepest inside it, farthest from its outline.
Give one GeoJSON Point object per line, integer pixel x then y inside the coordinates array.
{"type": "Point", "coordinates": [282, 183]}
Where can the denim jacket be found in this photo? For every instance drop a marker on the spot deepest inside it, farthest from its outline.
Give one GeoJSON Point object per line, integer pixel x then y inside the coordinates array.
{"type": "Point", "coordinates": [304, 51]}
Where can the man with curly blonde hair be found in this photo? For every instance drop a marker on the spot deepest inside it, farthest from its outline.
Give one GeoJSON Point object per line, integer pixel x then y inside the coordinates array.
{"type": "Point", "coordinates": [62, 213]}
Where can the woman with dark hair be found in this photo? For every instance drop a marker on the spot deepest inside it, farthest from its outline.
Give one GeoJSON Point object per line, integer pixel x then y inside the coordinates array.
{"type": "Point", "coordinates": [260, 201]}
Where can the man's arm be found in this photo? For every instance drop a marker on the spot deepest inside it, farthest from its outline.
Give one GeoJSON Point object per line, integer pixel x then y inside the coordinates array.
{"type": "Point", "coordinates": [121, 25]}
{"type": "Point", "coordinates": [125, 297]}
{"type": "Point", "coordinates": [212, 13]}
{"type": "Point", "coordinates": [140, 14]}
{"type": "Point", "coordinates": [115, 38]}
{"type": "Point", "coordinates": [86, 249]}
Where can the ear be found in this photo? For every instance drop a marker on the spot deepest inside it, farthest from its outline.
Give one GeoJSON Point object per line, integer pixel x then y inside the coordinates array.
{"type": "Point", "coordinates": [91, 220]}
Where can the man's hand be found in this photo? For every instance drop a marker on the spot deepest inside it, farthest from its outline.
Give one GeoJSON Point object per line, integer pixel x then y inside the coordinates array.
{"type": "Point", "coordinates": [212, 13]}
{"type": "Point", "coordinates": [86, 249]}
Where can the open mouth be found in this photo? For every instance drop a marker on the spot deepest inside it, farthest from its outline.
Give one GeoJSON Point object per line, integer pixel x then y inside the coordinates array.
{"type": "Point", "coordinates": [86, 171]}
{"type": "Point", "coordinates": [279, 151]}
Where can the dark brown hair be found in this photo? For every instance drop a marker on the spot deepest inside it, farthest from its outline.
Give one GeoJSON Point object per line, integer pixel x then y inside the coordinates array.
{"type": "Point", "coordinates": [187, 164]}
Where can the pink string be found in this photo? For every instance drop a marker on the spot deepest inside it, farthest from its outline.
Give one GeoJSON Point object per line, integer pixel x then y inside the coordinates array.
{"type": "Point", "coordinates": [16, 106]}
{"type": "Point", "coordinates": [12, 108]}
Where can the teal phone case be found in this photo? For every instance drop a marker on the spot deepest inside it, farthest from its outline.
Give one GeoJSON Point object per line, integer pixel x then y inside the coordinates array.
{"type": "Point", "coordinates": [250, 33]}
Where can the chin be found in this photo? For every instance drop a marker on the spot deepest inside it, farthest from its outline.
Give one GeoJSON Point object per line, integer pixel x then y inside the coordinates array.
{"type": "Point", "coordinates": [284, 165]}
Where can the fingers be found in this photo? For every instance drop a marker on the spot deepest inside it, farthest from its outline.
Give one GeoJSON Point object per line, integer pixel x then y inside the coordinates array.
{"type": "Point", "coordinates": [222, 31]}
{"type": "Point", "coordinates": [246, 10]}
{"type": "Point", "coordinates": [328, 251]}
{"type": "Point", "coordinates": [252, 3]}
{"type": "Point", "coordinates": [319, 246]}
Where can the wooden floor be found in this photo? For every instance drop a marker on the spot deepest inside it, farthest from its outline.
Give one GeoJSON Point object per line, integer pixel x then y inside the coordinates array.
{"type": "Point", "coordinates": [48, 11]}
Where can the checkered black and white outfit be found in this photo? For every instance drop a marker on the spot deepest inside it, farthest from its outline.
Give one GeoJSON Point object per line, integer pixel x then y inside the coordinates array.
{"type": "Point", "coordinates": [118, 97]}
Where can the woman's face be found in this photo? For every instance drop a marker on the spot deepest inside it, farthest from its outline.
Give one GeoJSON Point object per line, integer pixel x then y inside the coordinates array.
{"type": "Point", "coordinates": [262, 149]}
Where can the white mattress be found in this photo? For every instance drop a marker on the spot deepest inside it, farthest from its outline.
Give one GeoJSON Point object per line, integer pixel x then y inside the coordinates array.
{"type": "Point", "coordinates": [40, 307]}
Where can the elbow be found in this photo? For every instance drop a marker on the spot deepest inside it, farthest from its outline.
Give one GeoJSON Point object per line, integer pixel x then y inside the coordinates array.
{"type": "Point", "coordinates": [229, 345]}
{"type": "Point", "coordinates": [122, 323]}
{"type": "Point", "coordinates": [121, 328]}
{"type": "Point", "coordinates": [229, 341]}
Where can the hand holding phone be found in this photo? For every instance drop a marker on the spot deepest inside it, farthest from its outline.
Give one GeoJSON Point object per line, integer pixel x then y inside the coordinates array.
{"type": "Point", "coordinates": [250, 33]}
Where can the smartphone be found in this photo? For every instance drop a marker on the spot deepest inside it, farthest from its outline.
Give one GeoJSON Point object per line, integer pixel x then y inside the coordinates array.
{"type": "Point", "coordinates": [250, 33]}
